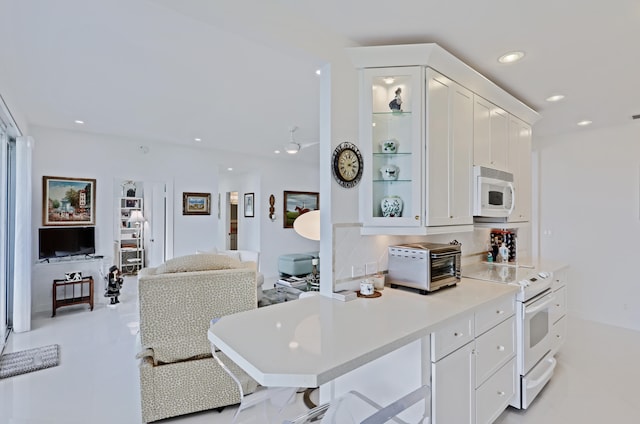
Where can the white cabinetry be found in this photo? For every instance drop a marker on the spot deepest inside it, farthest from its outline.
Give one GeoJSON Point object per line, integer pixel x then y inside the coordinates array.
{"type": "Point", "coordinates": [392, 139]}
{"type": "Point", "coordinates": [449, 129]}
{"type": "Point", "coordinates": [559, 309]}
{"type": "Point", "coordinates": [473, 365]}
{"type": "Point", "coordinates": [443, 129]}
{"type": "Point", "coordinates": [452, 370]}
{"type": "Point", "coordinates": [491, 135]}
{"type": "Point", "coordinates": [520, 166]}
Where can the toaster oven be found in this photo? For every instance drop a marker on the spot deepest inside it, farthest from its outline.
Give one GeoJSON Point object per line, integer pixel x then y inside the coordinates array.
{"type": "Point", "coordinates": [424, 266]}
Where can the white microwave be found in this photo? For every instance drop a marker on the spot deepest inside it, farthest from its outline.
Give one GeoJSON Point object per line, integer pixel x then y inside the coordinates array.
{"type": "Point", "coordinates": [494, 196]}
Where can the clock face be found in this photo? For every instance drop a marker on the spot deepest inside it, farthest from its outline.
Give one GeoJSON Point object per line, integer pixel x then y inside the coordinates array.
{"type": "Point", "coordinates": [347, 164]}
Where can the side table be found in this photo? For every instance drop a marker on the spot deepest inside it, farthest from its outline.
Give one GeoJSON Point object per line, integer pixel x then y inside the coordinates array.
{"type": "Point", "coordinates": [66, 293]}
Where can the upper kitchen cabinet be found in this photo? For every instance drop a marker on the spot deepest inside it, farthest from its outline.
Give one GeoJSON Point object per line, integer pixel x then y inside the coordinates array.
{"type": "Point", "coordinates": [425, 119]}
{"type": "Point", "coordinates": [391, 144]}
{"type": "Point", "coordinates": [520, 165]}
{"type": "Point", "coordinates": [490, 135]}
{"type": "Point", "coordinates": [449, 145]}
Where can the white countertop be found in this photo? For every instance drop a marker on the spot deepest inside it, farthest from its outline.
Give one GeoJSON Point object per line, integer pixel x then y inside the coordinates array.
{"type": "Point", "coordinates": [311, 341]}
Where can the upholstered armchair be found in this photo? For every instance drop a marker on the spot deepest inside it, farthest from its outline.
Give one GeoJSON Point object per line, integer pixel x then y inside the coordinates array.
{"type": "Point", "coordinates": [178, 299]}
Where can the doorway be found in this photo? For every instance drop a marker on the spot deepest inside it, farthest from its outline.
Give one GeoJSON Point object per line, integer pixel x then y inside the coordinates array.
{"type": "Point", "coordinates": [232, 220]}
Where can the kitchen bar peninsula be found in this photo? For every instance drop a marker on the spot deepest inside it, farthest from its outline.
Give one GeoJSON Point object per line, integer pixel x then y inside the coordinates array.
{"type": "Point", "coordinates": [312, 341]}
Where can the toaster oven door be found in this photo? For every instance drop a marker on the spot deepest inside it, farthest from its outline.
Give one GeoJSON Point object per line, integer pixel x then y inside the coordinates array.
{"type": "Point", "coordinates": [445, 269]}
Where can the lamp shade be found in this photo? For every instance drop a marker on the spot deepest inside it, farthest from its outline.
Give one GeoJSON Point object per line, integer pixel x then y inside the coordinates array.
{"type": "Point", "coordinates": [308, 225]}
{"type": "Point", "coordinates": [136, 216]}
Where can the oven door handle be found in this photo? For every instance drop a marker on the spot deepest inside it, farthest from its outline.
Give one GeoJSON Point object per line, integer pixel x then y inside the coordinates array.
{"type": "Point", "coordinates": [545, 376]}
{"type": "Point", "coordinates": [529, 311]}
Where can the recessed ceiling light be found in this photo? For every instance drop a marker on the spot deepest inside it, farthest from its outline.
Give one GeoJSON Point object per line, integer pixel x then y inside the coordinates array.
{"type": "Point", "coordinates": [277, 152]}
{"type": "Point", "coordinates": [79, 122]}
{"type": "Point", "coordinates": [511, 57]}
{"type": "Point", "coordinates": [555, 98]}
{"type": "Point", "coordinates": [229, 169]}
{"type": "Point", "coordinates": [585, 123]}
{"type": "Point", "coordinates": [389, 80]}
{"type": "Point", "coordinates": [318, 72]}
{"type": "Point", "coordinates": [197, 139]}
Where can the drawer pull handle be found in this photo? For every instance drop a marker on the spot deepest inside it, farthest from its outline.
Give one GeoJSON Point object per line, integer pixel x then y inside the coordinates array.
{"type": "Point", "coordinates": [457, 334]}
{"type": "Point", "coordinates": [499, 312]}
{"type": "Point", "coordinates": [500, 348]}
{"type": "Point", "coordinates": [501, 393]}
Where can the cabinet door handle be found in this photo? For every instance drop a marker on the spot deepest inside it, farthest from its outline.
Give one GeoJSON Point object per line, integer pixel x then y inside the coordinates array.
{"type": "Point", "coordinates": [417, 218]}
{"type": "Point", "coordinates": [499, 312]}
{"type": "Point", "coordinates": [500, 348]}
{"type": "Point", "coordinates": [458, 334]}
{"type": "Point", "coordinates": [501, 393]}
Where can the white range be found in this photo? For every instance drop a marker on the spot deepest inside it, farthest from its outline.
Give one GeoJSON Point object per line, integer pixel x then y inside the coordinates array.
{"type": "Point", "coordinates": [535, 360]}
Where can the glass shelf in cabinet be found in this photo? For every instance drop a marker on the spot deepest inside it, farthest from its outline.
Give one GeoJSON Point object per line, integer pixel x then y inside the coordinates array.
{"type": "Point", "coordinates": [388, 155]}
{"type": "Point", "coordinates": [391, 181]}
{"type": "Point", "coordinates": [403, 113]}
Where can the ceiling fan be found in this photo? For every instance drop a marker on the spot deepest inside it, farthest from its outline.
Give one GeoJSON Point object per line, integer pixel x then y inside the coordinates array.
{"type": "Point", "coordinates": [293, 146]}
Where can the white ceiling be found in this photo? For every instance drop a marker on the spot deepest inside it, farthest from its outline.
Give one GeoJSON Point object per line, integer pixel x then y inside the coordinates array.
{"type": "Point", "coordinates": [174, 70]}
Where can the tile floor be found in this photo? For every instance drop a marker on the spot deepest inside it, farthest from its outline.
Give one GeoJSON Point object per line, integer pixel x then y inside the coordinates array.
{"type": "Point", "coordinates": [97, 379]}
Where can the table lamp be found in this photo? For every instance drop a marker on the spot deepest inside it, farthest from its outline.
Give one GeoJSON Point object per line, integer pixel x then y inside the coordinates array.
{"type": "Point", "coordinates": [308, 226]}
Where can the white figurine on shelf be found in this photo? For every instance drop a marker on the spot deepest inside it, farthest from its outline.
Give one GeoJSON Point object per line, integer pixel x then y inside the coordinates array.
{"type": "Point", "coordinates": [396, 103]}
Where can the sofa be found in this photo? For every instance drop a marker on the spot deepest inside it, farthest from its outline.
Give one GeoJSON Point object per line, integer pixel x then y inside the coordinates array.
{"type": "Point", "coordinates": [178, 299]}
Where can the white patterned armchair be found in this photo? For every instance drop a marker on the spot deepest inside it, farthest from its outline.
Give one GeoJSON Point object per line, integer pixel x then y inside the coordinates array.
{"type": "Point", "coordinates": [177, 300]}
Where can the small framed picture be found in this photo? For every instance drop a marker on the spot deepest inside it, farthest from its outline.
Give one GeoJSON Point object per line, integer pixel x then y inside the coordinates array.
{"type": "Point", "coordinates": [196, 203]}
{"type": "Point", "coordinates": [249, 205]}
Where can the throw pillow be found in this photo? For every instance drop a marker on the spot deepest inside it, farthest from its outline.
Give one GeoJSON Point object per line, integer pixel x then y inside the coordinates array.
{"type": "Point", "coordinates": [210, 251]}
{"type": "Point", "coordinates": [230, 253]}
{"type": "Point", "coordinates": [208, 262]}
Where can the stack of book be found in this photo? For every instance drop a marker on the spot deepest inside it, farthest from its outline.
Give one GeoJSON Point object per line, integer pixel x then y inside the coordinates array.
{"type": "Point", "coordinates": [291, 281]}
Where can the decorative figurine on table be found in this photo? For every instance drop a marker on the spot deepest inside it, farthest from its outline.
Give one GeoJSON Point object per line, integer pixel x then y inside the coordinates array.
{"type": "Point", "coordinates": [114, 284]}
{"type": "Point", "coordinates": [396, 103]}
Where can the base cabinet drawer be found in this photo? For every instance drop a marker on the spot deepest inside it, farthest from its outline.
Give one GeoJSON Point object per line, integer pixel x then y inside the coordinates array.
{"type": "Point", "coordinates": [450, 337]}
{"type": "Point", "coordinates": [496, 393]}
{"type": "Point", "coordinates": [559, 308]}
{"type": "Point", "coordinates": [490, 316]}
{"type": "Point", "coordinates": [558, 333]}
{"type": "Point", "coordinates": [494, 349]}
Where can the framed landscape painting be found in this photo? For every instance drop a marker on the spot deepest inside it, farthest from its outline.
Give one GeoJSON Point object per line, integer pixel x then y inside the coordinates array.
{"type": "Point", "coordinates": [298, 202]}
{"type": "Point", "coordinates": [196, 203]}
{"type": "Point", "coordinates": [68, 201]}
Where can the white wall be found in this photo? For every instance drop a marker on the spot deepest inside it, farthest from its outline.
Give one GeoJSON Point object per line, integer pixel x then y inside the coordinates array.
{"type": "Point", "coordinates": [109, 159]}
{"type": "Point", "coordinates": [186, 169]}
{"type": "Point", "coordinates": [590, 219]}
{"type": "Point", "coordinates": [260, 233]}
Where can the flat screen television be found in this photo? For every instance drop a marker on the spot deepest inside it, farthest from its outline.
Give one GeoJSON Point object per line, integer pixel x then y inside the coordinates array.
{"type": "Point", "coordinates": [66, 241]}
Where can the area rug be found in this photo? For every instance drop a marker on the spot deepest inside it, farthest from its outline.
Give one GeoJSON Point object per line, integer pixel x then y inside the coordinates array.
{"type": "Point", "coordinates": [29, 360]}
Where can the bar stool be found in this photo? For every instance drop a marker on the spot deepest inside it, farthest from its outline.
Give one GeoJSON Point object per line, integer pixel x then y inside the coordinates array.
{"type": "Point", "coordinates": [264, 406]}
{"type": "Point", "coordinates": [355, 408]}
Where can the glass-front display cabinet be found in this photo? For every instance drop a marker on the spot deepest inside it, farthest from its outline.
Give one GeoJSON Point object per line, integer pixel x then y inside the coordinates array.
{"type": "Point", "coordinates": [391, 130]}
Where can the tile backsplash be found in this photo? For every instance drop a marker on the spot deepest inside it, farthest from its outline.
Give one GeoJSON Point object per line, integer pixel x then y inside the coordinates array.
{"type": "Point", "coordinates": [353, 249]}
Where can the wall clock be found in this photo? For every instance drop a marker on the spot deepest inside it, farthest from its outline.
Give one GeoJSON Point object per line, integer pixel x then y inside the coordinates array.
{"type": "Point", "coordinates": [347, 164]}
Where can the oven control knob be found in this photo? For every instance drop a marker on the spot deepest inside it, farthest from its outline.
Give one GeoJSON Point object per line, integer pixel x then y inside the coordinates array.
{"type": "Point", "coordinates": [521, 283]}
{"type": "Point", "coordinates": [544, 274]}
